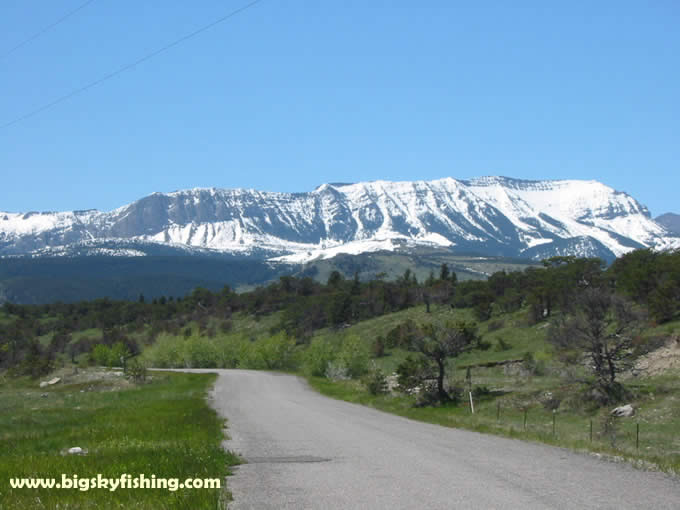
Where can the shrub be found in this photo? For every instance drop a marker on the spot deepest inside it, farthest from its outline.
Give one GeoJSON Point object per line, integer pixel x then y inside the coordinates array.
{"type": "Point", "coordinates": [336, 371]}
{"type": "Point", "coordinates": [480, 392]}
{"type": "Point", "coordinates": [483, 345]}
{"type": "Point", "coordinates": [136, 370]}
{"type": "Point", "coordinates": [276, 351]}
{"type": "Point", "coordinates": [199, 353]}
{"type": "Point", "coordinates": [375, 381]}
{"type": "Point", "coordinates": [167, 352]}
{"type": "Point", "coordinates": [118, 350]}
{"type": "Point", "coordinates": [402, 335]}
{"type": "Point", "coordinates": [317, 356]}
{"type": "Point", "coordinates": [533, 366]}
{"type": "Point", "coordinates": [411, 373]}
{"type": "Point", "coordinates": [354, 354]}
{"type": "Point", "coordinates": [100, 355]}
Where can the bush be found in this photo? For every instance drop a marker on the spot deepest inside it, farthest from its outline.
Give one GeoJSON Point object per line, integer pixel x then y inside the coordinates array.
{"type": "Point", "coordinates": [375, 381]}
{"type": "Point", "coordinates": [483, 345]}
{"type": "Point", "coordinates": [276, 351]}
{"type": "Point", "coordinates": [336, 371]}
{"type": "Point", "coordinates": [136, 370]}
{"type": "Point", "coordinates": [411, 373]}
{"type": "Point", "coordinates": [118, 351]}
{"type": "Point", "coordinates": [166, 352]}
{"type": "Point", "coordinates": [402, 336]}
{"type": "Point", "coordinates": [100, 355]}
{"type": "Point", "coordinates": [355, 355]}
{"type": "Point", "coordinates": [316, 357]}
{"type": "Point", "coordinates": [199, 353]}
{"type": "Point", "coordinates": [480, 392]}
{"type": "Point", "coordinates": [533, 366]}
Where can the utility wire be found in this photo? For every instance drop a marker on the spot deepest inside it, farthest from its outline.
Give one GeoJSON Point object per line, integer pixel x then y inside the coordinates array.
{"type": "Point", "coordinates": [46, 29]}
{"type": "Point", "coordinates": [129, 66]}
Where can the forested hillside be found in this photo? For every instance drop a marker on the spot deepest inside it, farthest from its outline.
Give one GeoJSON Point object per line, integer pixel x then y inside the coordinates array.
{"type": "Point", "coordinates": [34, 338]}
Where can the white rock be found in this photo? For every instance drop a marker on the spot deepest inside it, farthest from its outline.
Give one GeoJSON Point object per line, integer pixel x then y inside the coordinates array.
{"type": "Point", "coordinates": [54, 381]}
{"type": "Point", "coordinates": [624, 411]}
{"type": "Point", "coordinates": [76, 450]}
{"type": "Point", "coordinates": [43, 384]}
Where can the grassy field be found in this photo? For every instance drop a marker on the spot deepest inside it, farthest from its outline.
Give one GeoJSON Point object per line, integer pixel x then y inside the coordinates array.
{"type": "Point", "coordinates": [164, 428]}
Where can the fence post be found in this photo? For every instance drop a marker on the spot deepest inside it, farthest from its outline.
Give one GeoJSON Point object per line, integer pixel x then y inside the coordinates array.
{"type": "Point", "coordinates": [591, 430]}
{"type": "Point", "coordinates": [498, 412]}
{"type": "Point", "coordinates": [525, 419]}
{"type": "Point", "coordinates": [637, 436]}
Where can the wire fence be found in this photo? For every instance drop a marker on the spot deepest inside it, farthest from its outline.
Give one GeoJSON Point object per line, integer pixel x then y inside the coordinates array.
{"type": "Point", "coordinates": [620, 433]}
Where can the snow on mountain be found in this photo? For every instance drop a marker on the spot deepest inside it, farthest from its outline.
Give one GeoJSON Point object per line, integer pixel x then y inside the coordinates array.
{"type": "Point", "coordinates": [489, 215]}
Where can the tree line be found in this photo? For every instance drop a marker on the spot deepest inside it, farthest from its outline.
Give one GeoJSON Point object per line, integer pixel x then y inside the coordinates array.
{"type": "Point", "coordinates": [649, 280]}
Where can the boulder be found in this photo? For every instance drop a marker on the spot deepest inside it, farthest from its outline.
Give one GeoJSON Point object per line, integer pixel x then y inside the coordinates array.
{"type": "Point", "coordinates": [54, 381]}
{"type": "Point", "coordinates": [76, 450]}
{"type": "Point", "coordinates": [623, 411]}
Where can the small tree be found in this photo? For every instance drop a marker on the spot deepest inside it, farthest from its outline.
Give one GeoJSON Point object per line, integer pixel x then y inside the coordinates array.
{"type": "Point", "coordinates": [602, 325]}
{"type": "Point", "coordinates": [438, 342]}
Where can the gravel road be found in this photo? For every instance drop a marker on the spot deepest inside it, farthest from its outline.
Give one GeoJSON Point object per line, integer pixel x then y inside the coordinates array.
{"type": "Point", "coordinates": [308, 451]}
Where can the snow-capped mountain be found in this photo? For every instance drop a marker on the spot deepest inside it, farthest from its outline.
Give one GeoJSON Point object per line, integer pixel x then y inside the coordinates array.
{"type": "Point", "coordinates": [489, 215]}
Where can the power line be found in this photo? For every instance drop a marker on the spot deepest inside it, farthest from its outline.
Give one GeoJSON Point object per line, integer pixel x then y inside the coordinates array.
{"type": "Point", "coordinates": [129, 66]}
{"type": "Point", "coordinates": [46, 29]}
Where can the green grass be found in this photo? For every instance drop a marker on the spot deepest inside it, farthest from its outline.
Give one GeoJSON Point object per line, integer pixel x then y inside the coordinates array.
{"type": "Point", "coordinates": [163, 428]}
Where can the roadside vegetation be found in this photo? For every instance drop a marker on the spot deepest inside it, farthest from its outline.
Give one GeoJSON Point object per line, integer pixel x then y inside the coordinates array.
{"type": "Point", "coordinates": [565, 342]}
{"type": "Point", "coordinates": [162, 427]}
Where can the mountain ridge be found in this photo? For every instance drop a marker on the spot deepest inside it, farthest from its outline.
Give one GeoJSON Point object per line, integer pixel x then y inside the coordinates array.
{"type": "Point", "coordinates": [498, 216]}
{"type": "Point", "coordinates": [671, 221]}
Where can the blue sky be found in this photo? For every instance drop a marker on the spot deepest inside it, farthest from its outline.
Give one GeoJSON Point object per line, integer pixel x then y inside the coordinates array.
{"type": "Point", "coordinates": [288, 95]}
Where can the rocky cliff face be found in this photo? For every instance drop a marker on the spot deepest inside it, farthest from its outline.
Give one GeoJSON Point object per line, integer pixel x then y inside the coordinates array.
{"type": "Point", "coordinates": [670, 221]}
{"type": "Point", "coordinates": [490, 215]}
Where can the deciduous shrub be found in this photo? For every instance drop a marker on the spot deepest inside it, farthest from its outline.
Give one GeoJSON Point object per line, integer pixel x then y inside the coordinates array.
{"type": "Point", "coordinates": [355, 355]}
{"type": "Point", "coordinates": [317, 356]}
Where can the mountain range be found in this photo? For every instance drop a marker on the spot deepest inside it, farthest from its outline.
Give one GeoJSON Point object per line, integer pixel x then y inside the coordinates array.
{"type": "Point", "coordinates": [495, 216]}
{"type": "Point", "coordinates": [670, 221]}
